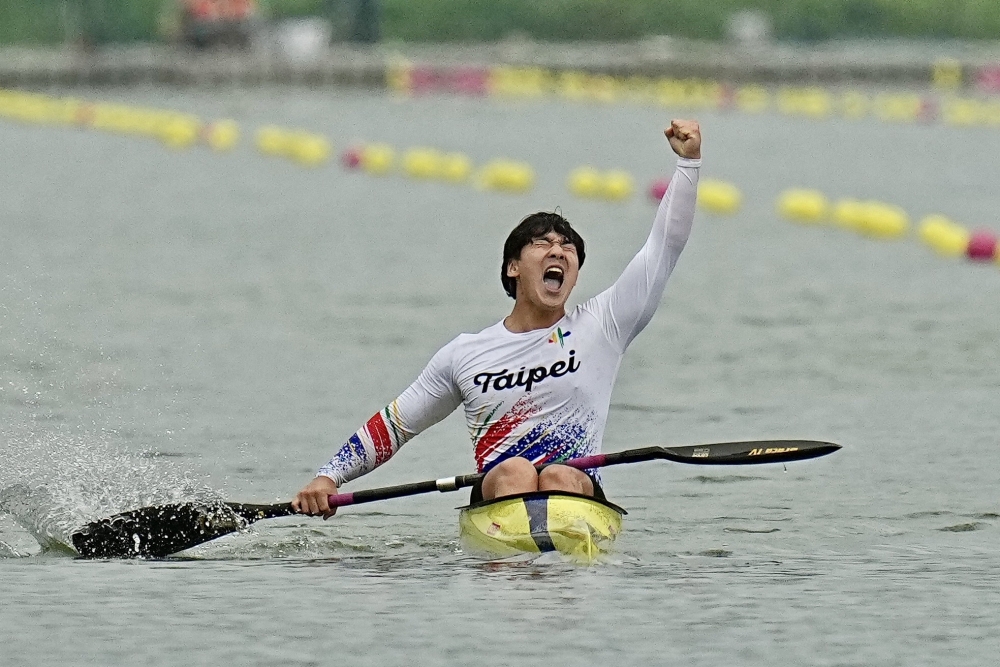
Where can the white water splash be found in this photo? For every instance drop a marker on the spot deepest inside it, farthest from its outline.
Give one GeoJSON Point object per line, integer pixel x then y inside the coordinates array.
{"type": "Point", "coordinates": [53, 483]}
{"type": "Point", "coordinates": [7, 551]}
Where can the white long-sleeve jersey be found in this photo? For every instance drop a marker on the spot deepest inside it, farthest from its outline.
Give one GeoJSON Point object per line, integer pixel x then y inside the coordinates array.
{"type": "Point", "coordinates": [542, 395]}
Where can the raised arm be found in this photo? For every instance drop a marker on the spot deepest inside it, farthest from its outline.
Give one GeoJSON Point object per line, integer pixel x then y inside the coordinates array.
{"type": "Point", "coordinates": [431, 398]}
{"type": "Point", "coordinates": [626, 307]}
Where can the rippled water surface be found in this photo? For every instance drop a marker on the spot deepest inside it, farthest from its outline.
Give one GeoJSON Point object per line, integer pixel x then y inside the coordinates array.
{"type": "Point", "coordinates": [193, 325]}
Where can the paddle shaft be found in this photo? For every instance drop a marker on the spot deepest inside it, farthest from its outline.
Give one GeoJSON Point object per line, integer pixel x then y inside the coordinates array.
{"type": "Point", "coordinates": [723, 453]}
{"type": "Point", "coordinates": [371, 495]}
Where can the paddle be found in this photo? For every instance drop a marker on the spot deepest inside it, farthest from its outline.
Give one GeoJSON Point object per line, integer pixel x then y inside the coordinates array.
{"type": "Point", "coordinates": [156, 532]}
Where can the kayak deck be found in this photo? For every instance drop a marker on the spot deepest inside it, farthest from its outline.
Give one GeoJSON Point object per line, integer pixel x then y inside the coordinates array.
{"type": "Point", "coordinates": [577, 526]}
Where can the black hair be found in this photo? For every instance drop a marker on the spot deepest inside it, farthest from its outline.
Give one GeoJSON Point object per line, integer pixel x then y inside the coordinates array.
{"type": "Point", "coordinates": [535, 226]}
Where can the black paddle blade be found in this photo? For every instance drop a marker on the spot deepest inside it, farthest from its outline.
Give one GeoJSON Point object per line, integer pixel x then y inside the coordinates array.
{"type": "Point", "coordinates": [157, 532]}
{"type": "Point", "coordinates": [744, 453]}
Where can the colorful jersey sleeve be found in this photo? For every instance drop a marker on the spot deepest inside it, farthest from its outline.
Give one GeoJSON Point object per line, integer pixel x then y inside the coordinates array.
{"type": "Point", "coordinates": [626, 307]}
{"type": "Point", "coordinates": [431, 398]}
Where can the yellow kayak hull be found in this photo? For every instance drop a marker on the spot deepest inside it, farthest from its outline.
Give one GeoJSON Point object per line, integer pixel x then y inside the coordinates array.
{"type": "Point", "coordinates": [579, 527]}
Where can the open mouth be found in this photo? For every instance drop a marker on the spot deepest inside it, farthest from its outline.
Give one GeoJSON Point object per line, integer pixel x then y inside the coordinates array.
{"type": "Point", "coordinates": [553, 278]}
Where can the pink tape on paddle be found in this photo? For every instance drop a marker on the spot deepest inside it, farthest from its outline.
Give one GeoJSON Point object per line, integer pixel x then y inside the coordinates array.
{"type": "Point", "coordinates": [341, 499]}
{"type": "Point", "coordinates": [584, 462]}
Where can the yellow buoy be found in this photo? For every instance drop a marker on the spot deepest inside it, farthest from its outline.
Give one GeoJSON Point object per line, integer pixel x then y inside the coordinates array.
{"type": "Point", "coordinates": [899, 108]}
{"type": "Point", "coordinates": [810, 206]}
{"type": "Point", "coordinates": [944, 236]}
{"type": "Point", "coordinates": [963, 112]}
{"type": "Point", "coordinates": [103, 117]}
{"type": "Point", "coordinates": [455, 167]}
{"type": "Point", "coordinates": [180, 132]}
{"type": "Point", "coordinates": [617, 185]}
{"type": "Point", "coordinates": [222, 135]}
{"type": "Point", "coordinates": [584, 182]}
{"type": "Point", "coordinates": [398, 76]}
{"type": "Point", "coordinates": [67, 111]}
{"type": "Point", "coordinates": [946, 74]}
{"type": "Point", "coordinates": [817, 103]}
{"type": "Point", "coordinates": [752, 99]}
{"type": "Point", "coordinates": [719, 197]}
{"type": "Point", "coordinates": [638, 89]}
{"type": "Point", "coordinates": [309, 150]}
{"type": "Point", "coordinates": [377, 159]}
{"type": "Point", "coordinates": [507, 175]}
{"type": "Point", "coordinates": [603, 88]}
{"type": "Point", "coordinates": [572, 85]}
{"type": "Point", "coordinates": [422, 162]}
{"type": "Point", "coordinates": [502, 80]}
{"type": "Point", "coordinates": [991, 113]}
{"type": "Point", "coordinates": [147, 122]}
{"type": "Point", "coordinates": [129, 121]}
{"type": "Point", "coordinates": [273, 140]}
{"type": "Point", "coordinates": [849, 213]}
{"type": "Point", "coordinates": [812, 102]}
{"type": "Point", "coordinates": [519, 81]}
{"type": "Point", "coordinates": [884, 221]}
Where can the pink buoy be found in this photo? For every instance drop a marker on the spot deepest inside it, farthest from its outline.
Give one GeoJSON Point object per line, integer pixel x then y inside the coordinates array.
{"type": "Point", "coordinates": [351, 158]}
{"type": "Point", "coordinates": [982, 246]}
{"type": "Point", "coordinates": [988, 79]}
{"type": "Point", "coordinates": [85, 114]}
{"type": "Point", "coordinates": [928, 111]}
{"type": "Point", "coordinates": [470, 81]}
{"type": "Point", "coordinates": [424, 80]}
{"type": "Point", "coordinates": [658, 188]}
{"type": "Point", "coordinates": [727, 97]}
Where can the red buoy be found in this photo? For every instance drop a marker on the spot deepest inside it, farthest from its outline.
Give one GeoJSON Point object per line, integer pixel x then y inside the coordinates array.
{"type": "Point", "coordinates": [658, 188]}
{"type": "Point", "coordinates": [982, 246]}
{"type": "Point", "coordinates": [351, 158]}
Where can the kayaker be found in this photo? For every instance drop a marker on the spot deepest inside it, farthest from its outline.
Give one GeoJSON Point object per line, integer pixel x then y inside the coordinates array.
{"type": "Point", "coordinates": [537, 385]}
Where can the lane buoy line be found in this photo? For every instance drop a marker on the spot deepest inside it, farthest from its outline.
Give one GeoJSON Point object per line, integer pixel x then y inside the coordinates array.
{"type": "Point", "coordinates": [879, 220]}
{"type": "Point", "coordinates": [174, 129]}
{"type": "Point", "coordinates": [181, 130]}
{"type": "Point", "coordinates": [586, 181]}
{"type": "Point", "coordinates": [431, 164]}
{"type": "Point", "coordinates": [306, 148]}
{"type": "Point", "coordinates": [814, 102]}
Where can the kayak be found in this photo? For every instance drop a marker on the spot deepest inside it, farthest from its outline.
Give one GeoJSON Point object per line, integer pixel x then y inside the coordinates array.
{"type": "Point", "coordinates": [577, 526]}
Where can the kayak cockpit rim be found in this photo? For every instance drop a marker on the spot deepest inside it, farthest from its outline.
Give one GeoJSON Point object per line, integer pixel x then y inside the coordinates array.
{"type": "Point", "coordinates": [531, 495]}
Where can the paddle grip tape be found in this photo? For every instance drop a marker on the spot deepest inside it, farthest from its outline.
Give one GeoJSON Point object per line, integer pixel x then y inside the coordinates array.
{"type": "Point", "coordinates": [341, 499]}
{"type": "Point", "coordinates": [584, 462]}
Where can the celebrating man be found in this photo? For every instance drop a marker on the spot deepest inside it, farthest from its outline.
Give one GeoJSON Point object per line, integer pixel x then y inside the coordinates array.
{"type": "Point", "coordinates": [537, 385]}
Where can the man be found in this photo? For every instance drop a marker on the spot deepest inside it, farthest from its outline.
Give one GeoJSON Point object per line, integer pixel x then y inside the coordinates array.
{"type": "Point", "coordinates": [536, 385]}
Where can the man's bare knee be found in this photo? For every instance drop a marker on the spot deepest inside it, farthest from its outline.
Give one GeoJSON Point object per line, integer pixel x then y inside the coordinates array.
{"type": "Point", "coordinates": [565, 478]}
{"type": "Point", "coordinates": [515, 475]}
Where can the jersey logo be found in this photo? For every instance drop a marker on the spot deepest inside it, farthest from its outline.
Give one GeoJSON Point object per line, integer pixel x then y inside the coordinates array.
{"type": "Point", "coordinates": [559, 336]}
{"type": "Point", "coordinates": [524, 377]}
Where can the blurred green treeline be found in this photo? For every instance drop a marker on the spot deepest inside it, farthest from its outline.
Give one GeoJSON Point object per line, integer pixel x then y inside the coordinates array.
{"type": "Point", "coordinates": [53, 21]}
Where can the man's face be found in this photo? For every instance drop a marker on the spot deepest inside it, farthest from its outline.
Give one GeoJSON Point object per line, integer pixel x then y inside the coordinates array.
{"type": "Point", "coordinates": [546, 271]}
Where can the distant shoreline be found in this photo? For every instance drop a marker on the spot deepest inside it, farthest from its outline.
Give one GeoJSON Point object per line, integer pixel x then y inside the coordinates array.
{"type": "Point", "coordinates": [873, 62]}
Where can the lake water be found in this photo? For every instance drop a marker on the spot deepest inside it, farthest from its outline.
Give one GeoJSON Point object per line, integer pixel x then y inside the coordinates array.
{"type": "Point", "coordinates": [178, 325]}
